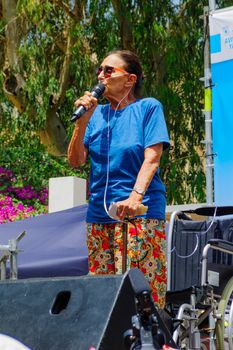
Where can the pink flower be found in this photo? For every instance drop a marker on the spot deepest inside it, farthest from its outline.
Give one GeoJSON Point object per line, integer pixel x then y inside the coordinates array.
{"type": "Point", "coordinates": [17, 202]}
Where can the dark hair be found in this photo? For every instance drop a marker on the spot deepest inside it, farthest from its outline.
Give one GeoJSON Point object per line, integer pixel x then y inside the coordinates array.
{"type": "Point", "coordinates": [132, 65]}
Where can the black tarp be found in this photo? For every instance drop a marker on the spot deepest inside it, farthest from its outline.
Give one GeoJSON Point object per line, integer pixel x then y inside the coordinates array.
{"type": "Point", "coordinates": [54, 244]}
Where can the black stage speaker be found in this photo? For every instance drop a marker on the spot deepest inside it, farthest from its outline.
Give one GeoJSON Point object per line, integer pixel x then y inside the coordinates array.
{"type": "Point", "coordinates": [74, 313]}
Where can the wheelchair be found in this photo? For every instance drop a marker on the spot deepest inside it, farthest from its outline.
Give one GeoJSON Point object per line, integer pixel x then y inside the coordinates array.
{"type": "Point", "coordinates": [200, 278]}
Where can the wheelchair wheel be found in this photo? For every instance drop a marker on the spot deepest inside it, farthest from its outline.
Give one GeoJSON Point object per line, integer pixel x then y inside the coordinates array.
{"type": "Point", "coordinates": [224, 326]}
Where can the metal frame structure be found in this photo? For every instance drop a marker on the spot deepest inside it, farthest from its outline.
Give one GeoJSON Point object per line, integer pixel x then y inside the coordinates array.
{"type": "Point", "coordinates": [208, 105]}
{"type": "Point", "coordinates": [217, 308]}
{"type": "Point", "coordinates": [10, 252]}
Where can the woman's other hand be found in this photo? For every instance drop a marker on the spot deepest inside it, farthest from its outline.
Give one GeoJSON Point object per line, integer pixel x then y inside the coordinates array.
{"type": "Point", "coordinates": [129, 207]}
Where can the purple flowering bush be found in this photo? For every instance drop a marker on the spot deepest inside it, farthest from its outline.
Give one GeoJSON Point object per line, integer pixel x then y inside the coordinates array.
{"type": "Point", "coordinates": [25, 170]}
{"type": "Point", "coordinates": [11, 210]}
{"type": "Point", "coordinates": [19, 202]}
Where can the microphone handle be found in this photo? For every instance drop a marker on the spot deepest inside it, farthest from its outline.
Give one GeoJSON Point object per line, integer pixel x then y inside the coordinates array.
{"type": "Point", "coordinates": [78, 113]}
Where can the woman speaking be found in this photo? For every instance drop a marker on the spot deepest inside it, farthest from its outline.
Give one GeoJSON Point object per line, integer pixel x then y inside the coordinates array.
{"type": "Point", "coordinates": [124, 140]}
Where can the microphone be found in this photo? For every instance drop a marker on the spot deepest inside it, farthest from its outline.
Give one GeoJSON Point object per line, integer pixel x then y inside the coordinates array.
{"type": "Point", "coordinates": [96, 92]}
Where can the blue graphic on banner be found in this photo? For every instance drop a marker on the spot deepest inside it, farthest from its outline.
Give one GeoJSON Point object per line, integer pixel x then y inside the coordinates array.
{"type": "Point", "coordinates": [222, 115]}
{"type": "Point", "coordinates": [215, 43]}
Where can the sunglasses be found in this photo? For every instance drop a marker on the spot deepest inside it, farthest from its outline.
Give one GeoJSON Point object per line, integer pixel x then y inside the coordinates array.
{"type": "Point", "coordinates": [108, 70]}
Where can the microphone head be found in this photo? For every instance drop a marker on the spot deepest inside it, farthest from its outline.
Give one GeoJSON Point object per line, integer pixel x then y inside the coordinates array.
{"type": "Point", "coordinates": [138, 282]}
{"type": "Point", "coordinates": [98, 90]}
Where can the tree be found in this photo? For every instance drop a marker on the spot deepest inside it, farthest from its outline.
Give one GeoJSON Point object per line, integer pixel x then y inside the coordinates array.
{"type": "Point", "coordinates": [49, 50]}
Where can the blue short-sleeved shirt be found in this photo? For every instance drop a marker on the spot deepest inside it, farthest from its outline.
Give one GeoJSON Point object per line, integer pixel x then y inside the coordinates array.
{"type": "Point", "coordinates": [132, 129]}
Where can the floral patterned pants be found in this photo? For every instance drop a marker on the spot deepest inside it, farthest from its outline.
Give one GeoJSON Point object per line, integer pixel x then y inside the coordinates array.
{"type": "Point", "coordinates": [146, 249]}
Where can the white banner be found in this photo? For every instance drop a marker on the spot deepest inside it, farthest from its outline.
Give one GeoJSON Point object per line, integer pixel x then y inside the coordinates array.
{"type": "Point", "coordinates": [221, 48]}
{"type": "Point", "coordinates": [221, 35]}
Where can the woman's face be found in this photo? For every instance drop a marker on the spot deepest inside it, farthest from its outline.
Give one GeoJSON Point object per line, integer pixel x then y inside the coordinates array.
{"type": "Point", "coordinates": [117, 82]}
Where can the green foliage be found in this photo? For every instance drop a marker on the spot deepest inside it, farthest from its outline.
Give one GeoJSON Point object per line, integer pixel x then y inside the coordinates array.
{"type": "Point", "coordinates": [23, 153]}
{"type": "Point", "coordinates": [168, 38]}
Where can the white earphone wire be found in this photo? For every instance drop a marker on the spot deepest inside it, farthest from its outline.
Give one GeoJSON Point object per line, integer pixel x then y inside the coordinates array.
{"type": "Point", "coordinates": [108, 154]}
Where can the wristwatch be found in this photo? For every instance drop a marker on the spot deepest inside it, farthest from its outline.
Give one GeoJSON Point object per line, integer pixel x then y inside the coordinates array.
{"type": "Point", "coordinates": [139, 191]}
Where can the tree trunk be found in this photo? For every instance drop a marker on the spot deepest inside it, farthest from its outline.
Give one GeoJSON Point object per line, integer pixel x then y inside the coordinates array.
{"type": "Point", "coordinates": [124, 19]}
{"type": "Point", "coordinates": [54, 136]}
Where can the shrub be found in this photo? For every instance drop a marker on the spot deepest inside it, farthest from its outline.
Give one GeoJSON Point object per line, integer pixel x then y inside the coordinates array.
{"type": "Point", "coordinates": [19, 202]}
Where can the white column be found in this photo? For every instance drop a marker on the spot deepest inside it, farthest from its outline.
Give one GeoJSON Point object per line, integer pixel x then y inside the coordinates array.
{"type": "Point", "coordinates": [66, 192]}
{"type": "Point", "coordinates": [212, 5]}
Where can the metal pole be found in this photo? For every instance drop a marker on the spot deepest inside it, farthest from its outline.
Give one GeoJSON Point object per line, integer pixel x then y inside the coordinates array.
{"type": "Point", "coordinates": [13, 259]}
{"type": "Point", "coordinates": [124, 248]}
{"type": "Point", "coordinates": [207, 111]}
{"type": "Point", "coordinates": [169, 248]}
{"type": "Point", "coordinates": [3, 270]}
